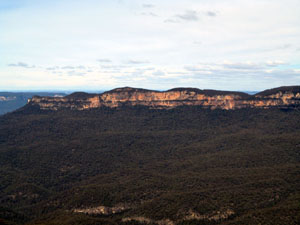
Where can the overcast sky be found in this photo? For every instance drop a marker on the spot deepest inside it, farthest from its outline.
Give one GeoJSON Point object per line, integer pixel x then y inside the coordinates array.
{"type": "Point", "coordinates": [245, 45]}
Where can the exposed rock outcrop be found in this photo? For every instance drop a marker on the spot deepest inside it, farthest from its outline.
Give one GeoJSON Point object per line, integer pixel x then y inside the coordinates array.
{"type": "Point", "coordinates": [102, 210]}
{"type": "Point", "coordinates": [216, 215]}
{"type": "Point", "coordinates": [144, 220]}
{"type": "Point", "coordinates": [283, 97]}
{"type": "Point", "coordinates": [223, 214]}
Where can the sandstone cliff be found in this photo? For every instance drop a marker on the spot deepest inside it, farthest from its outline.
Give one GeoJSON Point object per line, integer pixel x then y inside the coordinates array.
{"type": "Point", "coordinates": [283, 97]}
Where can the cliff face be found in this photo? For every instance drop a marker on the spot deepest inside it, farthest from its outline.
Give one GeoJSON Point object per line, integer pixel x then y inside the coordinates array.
{"type": "Point", "coordinates": [280, 97]}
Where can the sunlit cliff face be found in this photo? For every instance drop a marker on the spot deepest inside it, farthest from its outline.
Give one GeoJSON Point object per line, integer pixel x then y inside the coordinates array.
{"type": "Point", "coordinates": [167, 99]}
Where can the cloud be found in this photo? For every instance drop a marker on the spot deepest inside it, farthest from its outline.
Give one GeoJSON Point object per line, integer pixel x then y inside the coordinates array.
{"type": "Point", "coordinates": [148, 5]}
{"type": "Point", "coordinates": [211, 13]}
{"type": "Point", "coordinates": [197, 43]}
{"type": "Point", "coordinates": [68, 67]}
{"type": "Point", "coordinates": [21, 64]}
{"type": "Point", "coordinates": [136, 73]}
{"type": "Point", "coordinates": [285, 46]}
{"type": "Point", "coordinates": [243, 66]}
{"type": "Point", "coordinates": [74, 73]}
{"type": "Point", "coordinates": [149, 68]}
{"type": "Point", "coordinates": [149, 14]}
{"type": "Point", "coordinates": [136, 62]}
{"type": "Point", "coordinates": [171, 21]}
{"type": "Point", "coordinates": [275, 63]}
{"type": "Point", "coordinates": [177, 73]}
{"type": "Point", "coordinates": [189, 15]}
{"type": "Point", "coordinates": [104, 60]}
{"type": "Point", "coordinates": [192, 68]}
{"type": "Point", "coordinates": [232, 68]}
{"type": "Point", "coordinates": [158, 73]}
{"type": "Point", "coordinates": [50, 68]}
{"type": "Point", "coordinates": [80, 67]}
{"type": "Point", "coordinates": [113, 67]}
{"type": "Point", "coordinates": [53, 68]}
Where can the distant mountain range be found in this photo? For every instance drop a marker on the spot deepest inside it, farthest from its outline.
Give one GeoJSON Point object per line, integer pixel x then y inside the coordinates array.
{"type": "Point", "coordinates": [282, 97]}
{"type": "Point", "coordinates": [10, 101]}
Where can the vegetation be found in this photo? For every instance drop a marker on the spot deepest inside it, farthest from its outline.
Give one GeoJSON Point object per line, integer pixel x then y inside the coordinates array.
{"type": "Point", "coordinates": [161, 163]}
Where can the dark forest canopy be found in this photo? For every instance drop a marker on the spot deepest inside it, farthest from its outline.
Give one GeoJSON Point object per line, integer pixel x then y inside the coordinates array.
{"type": "Point", "coordinates": [162, 164]}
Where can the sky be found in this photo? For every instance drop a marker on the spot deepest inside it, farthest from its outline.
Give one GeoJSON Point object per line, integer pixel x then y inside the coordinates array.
{"type": "Point", "coordinates": [92, 45]}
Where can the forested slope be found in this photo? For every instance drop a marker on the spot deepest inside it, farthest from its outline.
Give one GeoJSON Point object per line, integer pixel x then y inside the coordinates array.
{"type": "Point", "coordinates": [187, 165]}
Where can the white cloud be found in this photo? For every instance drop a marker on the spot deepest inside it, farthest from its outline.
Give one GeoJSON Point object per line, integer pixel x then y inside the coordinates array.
{"type": "Point", "coordinates": [275, 63]}
{"type": "Point", "coordinates": [149, 14]}
{"type": "Point", "coordinates": [136, 62]}
{"type": "Point", "coordinates": [21, 64]}
{"type": "Point", "coordinates": [189, 15]}
{"type": "Point", "coordinates": [211, 13]}
{"type": "Point", "coordinates": [148, 5]}
{"type": "Point", "coordinates": [158, 73]}
{"type": "Point", "coordinates": [104, 60]}
{"type": "Point", "coordinates": [68, 67]}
